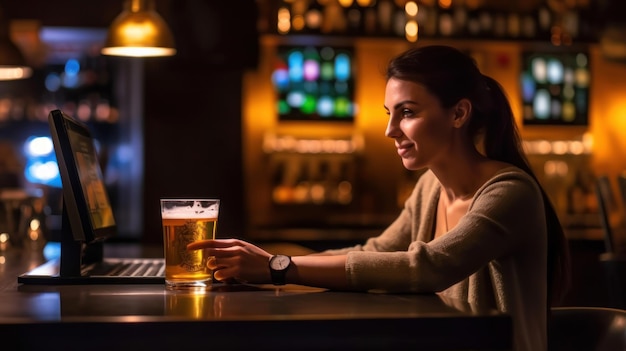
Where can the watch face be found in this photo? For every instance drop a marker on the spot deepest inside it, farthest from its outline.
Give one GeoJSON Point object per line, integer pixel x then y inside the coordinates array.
{"type": "Point", "coordinates": [280, 262]}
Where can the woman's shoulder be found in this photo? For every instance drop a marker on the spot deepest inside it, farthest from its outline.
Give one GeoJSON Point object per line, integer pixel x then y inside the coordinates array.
{"type": "Point", "coordinates": [511, 176]}
{"type": "Point", "coordinates": [511, 171]}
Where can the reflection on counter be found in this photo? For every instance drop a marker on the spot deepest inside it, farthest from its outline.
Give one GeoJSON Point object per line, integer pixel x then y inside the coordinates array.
{"type": "Point", "coordinates": [193, 304]}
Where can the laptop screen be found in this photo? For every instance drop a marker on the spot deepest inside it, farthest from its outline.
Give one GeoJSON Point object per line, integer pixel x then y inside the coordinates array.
{"type": "Point", "coordinates": [85, 198]}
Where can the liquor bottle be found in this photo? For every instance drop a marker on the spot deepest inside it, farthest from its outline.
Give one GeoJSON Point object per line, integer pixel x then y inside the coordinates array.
{"type": "Point", "coordinates": [385, 10]}
{"type": "Point", "coordinates": [499, 25]}
{"type": "Point", "coordinates": [577, 195]}
{"type": "Point", "coordinates": [344, 187]}
{"type": "Point", "coordinates": [399, 21]}
{"type": "Point", "coordinates": [446, 26]}
{"type": "Point", "coordinates": [281, 191]}
{"type": "Point", "coordinates": [313, 17]}
{"type": "Point", "coordinates": [545, 19]}
{"type": "Point", "coordinates": [319, 181]}
{"type": "Point", "coordinates": [428, 19]}
{"type": "Point", "coordinates": [486, 23]}
{"type": "Point", "coordinates": [460, 18]}
{"type": "Point", "coordinates": [298, 9]}
{"type": "Point", "coordinates": [514, 25]}
{"type": "Point", "coordinates": [334, 19]}
{"type": "Point", "coordinates": [529, 26]}
{"type": "Point", "coordinates": [333, 178]}
{"type": "Point", "coordinates": [354, 15]}
{"type": "Point", "coordinates": [302, 190]}
{"type": "Point", "coordinates": [571, 23]}
{"type": "Point", "coordinates": [370, 20]}
{"type": "Point", "coordinates": [473, 28]}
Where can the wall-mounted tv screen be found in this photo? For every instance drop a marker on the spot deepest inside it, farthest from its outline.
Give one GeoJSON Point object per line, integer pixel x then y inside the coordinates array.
{"type": "Point", "coordinates": [314, 83]}
{"type": "Point", "coordinates": [555, 88]}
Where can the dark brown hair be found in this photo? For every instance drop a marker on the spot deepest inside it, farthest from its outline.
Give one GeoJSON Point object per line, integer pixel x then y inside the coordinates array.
{"type": "Point", "coordinates": [452, 75]}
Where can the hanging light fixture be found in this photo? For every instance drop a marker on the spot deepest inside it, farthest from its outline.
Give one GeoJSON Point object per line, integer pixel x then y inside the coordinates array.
{"type": "Point", "coordinates": [12, 62]}
{"type": "Point", "coordinates": [139, 31]}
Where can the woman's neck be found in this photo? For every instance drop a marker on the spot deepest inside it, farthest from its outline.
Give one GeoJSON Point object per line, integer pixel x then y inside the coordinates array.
{"type": "Point", "coordinates": [463, 175]}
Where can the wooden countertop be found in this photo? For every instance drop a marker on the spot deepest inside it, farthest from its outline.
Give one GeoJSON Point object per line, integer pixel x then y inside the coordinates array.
{"type": "Point", "coordinates": [120, 317]}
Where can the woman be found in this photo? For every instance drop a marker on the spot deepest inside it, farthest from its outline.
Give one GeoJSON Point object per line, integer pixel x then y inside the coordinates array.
{"type": "Point", "coordinates": [477, 227]}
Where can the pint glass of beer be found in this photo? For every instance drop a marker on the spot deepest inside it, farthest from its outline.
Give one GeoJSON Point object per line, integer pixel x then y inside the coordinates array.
{"type": "Point", "coordinates": [185, 221]}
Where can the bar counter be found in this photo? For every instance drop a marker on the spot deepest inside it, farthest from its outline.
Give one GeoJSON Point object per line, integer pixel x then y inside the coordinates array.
{"type": "Point", "coordinates": [236, 316]}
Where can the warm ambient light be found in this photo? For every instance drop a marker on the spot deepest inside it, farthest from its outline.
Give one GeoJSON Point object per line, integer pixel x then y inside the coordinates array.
{"type": "Point", "coordinates": [139, 31]}
{"type": "Point", "coordinates": [15, 72]}
{"type": "Point", "coordinates": [12, 62]}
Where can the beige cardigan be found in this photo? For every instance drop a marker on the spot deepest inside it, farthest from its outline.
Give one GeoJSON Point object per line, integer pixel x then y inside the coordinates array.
{"type": "Point", "coordinates": [494, 258]}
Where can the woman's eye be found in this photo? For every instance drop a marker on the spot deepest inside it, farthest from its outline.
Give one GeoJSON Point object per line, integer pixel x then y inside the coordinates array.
{"type": "Point", "coordinates": [407, 113]}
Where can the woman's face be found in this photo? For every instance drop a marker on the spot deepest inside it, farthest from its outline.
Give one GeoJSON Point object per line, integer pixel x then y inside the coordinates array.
{"type": "Point", "coordinates": [421, 128]}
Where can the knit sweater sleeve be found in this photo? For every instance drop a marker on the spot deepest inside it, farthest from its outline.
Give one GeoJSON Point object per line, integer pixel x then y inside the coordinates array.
{"type": "Point", "coordinates": [503, 215]}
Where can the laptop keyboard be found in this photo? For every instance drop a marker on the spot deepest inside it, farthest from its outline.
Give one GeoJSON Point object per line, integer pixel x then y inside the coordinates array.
{"type": "Point", "coordinates": [122, 267]}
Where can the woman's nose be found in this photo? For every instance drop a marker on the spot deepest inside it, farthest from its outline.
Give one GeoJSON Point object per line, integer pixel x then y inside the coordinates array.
{"type": "Point", "coordinates": [392, 130]}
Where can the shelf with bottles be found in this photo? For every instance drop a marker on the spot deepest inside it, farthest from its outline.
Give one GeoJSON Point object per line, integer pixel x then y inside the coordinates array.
{"type": "Point", "coordinates": [579, 145]}
{"type": "Point", "coordinates": [563, 167]}
{"type": "Point", "coordinates": [315, 179]}
{"type": "Point", "coordinates": [312, 170]}
{"type": "Point", "coordinates": [80, 87]}
{"type": "Point", "coordinates": [581, 209]}
{"type": "Point", "coordinates": [286, 143]}
{"type": "Point", "coordinates": [560, 23]}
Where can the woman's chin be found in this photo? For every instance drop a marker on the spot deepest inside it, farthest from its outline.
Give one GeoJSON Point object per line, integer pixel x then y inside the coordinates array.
{"type": "Point", "coordinates": [410, 164]}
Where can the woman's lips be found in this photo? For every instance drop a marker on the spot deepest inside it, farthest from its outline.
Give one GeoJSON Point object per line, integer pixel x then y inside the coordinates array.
{"type": "Point", "coordinates": [404, 149]}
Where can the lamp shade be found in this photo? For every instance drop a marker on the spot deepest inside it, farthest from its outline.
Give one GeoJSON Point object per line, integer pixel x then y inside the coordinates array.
{"type": "Point", "coordinates": [139, 31]}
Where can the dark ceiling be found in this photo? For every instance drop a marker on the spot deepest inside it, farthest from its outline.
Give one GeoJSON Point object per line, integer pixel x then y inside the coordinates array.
{"type": "Point", "coordinates": [100, 13]}
{"type": "Point", "coordinates": [70, 13]}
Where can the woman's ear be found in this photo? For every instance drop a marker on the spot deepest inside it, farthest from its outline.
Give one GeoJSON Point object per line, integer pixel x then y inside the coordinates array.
{"type": "Point", "coordinates": [462, 112]}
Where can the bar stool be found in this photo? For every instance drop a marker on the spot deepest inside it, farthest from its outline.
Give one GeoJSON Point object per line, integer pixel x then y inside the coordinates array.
{"type": "Point", "coordinates": [613, 260]}
{"type": "Point", "coordinates": [587, 328]}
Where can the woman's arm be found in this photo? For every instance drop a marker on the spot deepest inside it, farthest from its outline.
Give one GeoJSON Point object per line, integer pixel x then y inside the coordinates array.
{"type": "Point", "coordinates": [242, 261]}
{"type": "Point", "coordinates": [320, 271]}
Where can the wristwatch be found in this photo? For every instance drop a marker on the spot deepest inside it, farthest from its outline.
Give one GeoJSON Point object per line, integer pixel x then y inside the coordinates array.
{"type": "Point", "coordinates": [279, 264]}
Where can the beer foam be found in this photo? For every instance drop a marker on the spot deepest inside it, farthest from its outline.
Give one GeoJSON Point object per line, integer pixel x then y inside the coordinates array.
{"type": "Point", "coordinates": [194, 211]}
{"type": "Point", "coordinates": [206, 213]}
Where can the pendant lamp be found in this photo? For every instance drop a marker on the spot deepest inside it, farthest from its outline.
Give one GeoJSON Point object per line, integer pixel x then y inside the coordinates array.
{"type": "Point", "coordinates": [139, 31]}
{"type": "Point", "coordinates": [12, 62]}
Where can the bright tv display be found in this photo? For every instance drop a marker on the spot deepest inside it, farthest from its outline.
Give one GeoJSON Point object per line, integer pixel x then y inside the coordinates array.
{"type": "Point", "coordinates": [555, 88]}
{"type": "Point", "coordinates": [314, 83]}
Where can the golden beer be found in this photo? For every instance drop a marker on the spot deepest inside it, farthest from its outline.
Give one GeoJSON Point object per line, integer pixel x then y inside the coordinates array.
{"type": "Point", "coordinates": [187, 268]}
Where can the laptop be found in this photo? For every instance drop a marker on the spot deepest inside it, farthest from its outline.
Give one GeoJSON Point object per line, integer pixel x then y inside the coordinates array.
{"type": "Point", "coordinates": [87, 219]}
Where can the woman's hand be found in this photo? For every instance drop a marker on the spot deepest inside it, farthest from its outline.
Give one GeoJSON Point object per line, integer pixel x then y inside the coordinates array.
{"type": "Point", "coordinates": [234, 259]}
